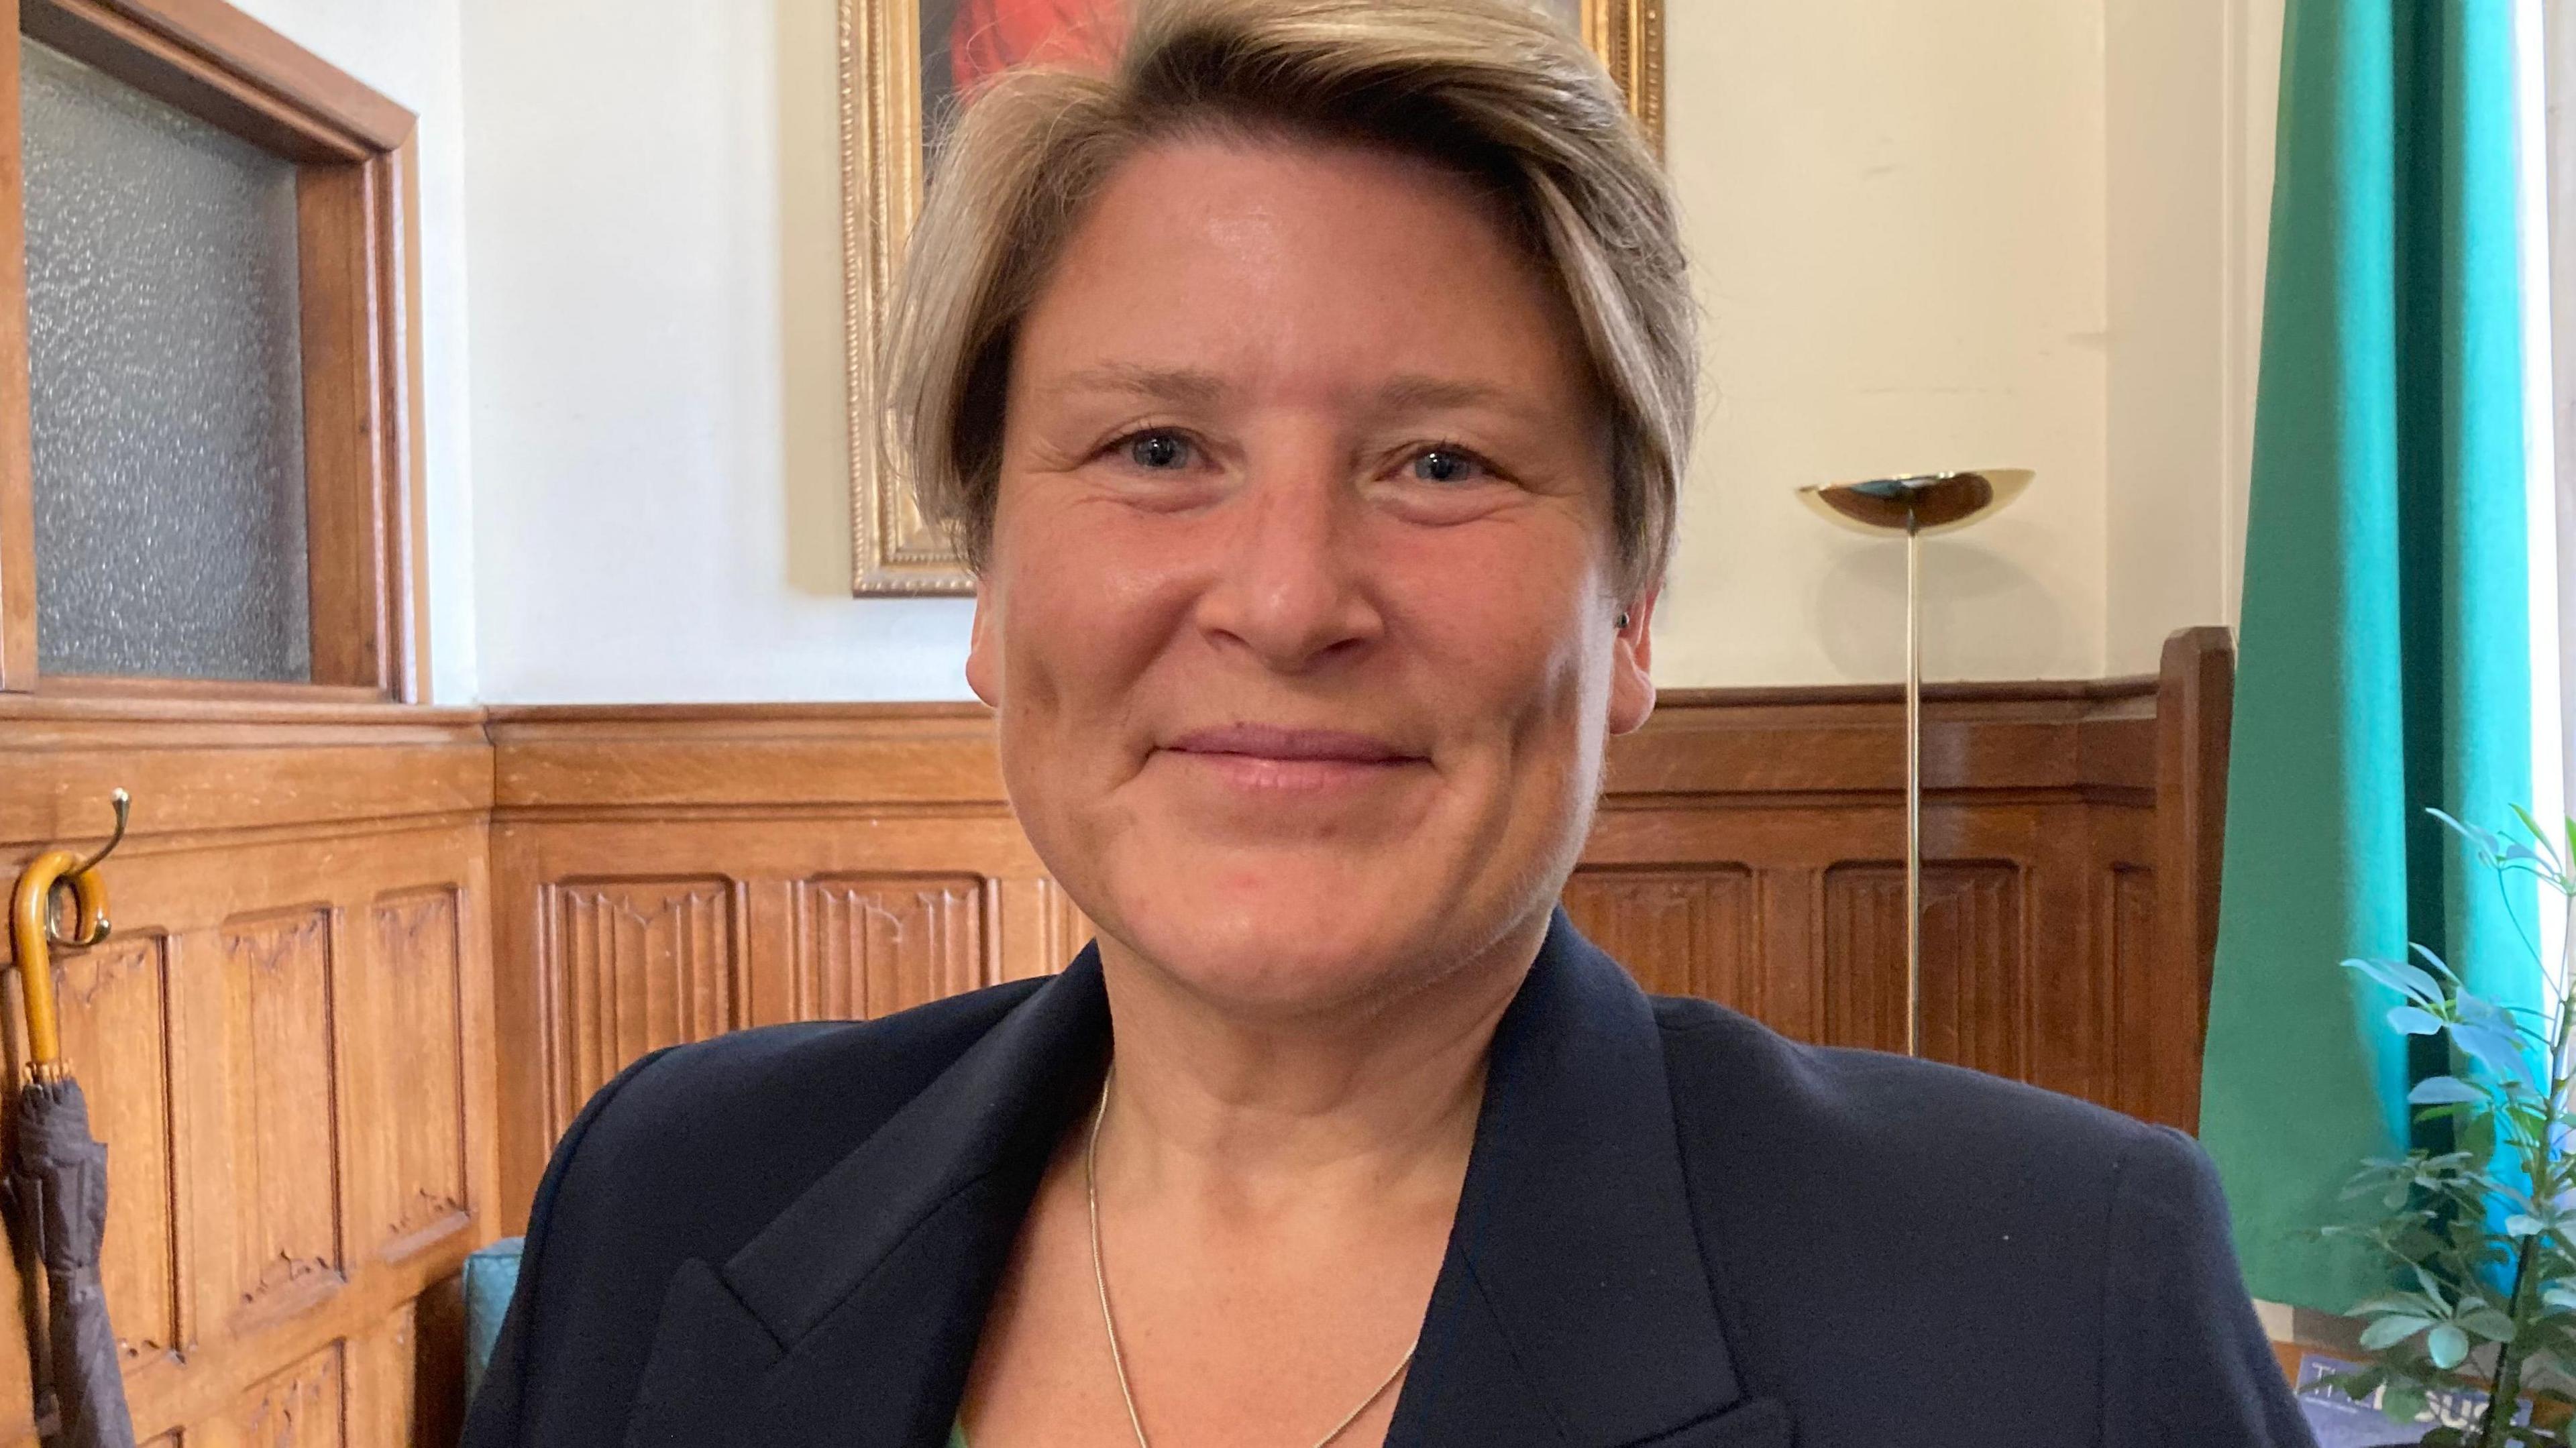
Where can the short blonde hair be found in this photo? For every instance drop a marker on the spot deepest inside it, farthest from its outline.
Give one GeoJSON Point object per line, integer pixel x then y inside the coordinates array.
{"type": "Point", "coordinates": [1490, 89]}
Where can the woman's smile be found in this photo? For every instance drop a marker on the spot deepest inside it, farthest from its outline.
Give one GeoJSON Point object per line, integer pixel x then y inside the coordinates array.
{"type": "Point", "coordinates": [1288, 764]}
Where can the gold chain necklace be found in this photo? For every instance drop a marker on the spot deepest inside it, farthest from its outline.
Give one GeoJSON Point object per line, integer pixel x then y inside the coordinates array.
{"type": "Point", "coordinates": [1100, 1279]}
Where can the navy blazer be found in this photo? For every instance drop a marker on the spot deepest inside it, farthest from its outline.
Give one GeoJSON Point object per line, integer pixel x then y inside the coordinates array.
{"type": "Point", "coordinates": [1678, 1229]}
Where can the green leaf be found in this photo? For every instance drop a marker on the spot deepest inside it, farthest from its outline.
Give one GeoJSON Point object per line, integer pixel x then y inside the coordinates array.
{"type": "Point", "coordinates": [2414, 1020]}
{"type": "Point", "coordinates": [2447, 1346]}
{"type": "Point", "coordinates": [2489, 1323]}
{"type": "Point", "coordinates": [2426, 955]}
{"type": "Point", "coordinates": [2499, 1050]}
{"type": "Point", "coordinates": [2522, 1224]}
{"type": "Point", "coordinates": [2444, 1091]}
{"type": "Point", "coordinates": [2538, 836]}
{"type": "Point", "coordinates": [2398, 976]}
{"type": "Point", "coordinates": [2389, 1331]}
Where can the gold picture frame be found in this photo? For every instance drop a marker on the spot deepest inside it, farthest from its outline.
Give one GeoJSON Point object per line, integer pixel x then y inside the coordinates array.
{"type": "Point", "coordinates": [894, 551]}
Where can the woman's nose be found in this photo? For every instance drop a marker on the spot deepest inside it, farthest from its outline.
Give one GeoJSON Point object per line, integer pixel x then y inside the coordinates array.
{"type": "Point", "coordinates": [1292, 586]}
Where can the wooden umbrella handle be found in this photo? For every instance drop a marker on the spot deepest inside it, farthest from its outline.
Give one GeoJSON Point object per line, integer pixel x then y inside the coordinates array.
{"type": "Point", "coordinates": [32, 938]}
{"type": "Point", "coordinates": [32, 947]}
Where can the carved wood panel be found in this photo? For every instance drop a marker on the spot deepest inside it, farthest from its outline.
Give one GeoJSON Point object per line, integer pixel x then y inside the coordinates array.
{"type": "Point", "coordinates": [1682, 931]}
{"type": "Point", "coordinates": [1066, 930]}
{"type": "Point", "coordinates": [637, 964]}
{"type": "Point", "coordinates": [303, 1407]}
{"type": "Point", "coordinates": [115, 1010]}
{"type": "Point", "coordinates": [1974, 989]}
{"type": "Point", "coordinates": [871, 945]}
{"type": "Point", "coordinates": [2128, 910]}
{"type": "Point", "coordinates": [281, 1129]}
{"type": "Point", "coordinates": [402, 1371]}
{"type": "Point", "coordinates": [382, 1369]}
{"type": "Point", "coordinates": [413, 1060]}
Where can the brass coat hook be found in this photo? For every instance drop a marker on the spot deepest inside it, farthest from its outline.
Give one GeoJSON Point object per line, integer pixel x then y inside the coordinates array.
{"type": "Point", "coordinates": [34, 932]}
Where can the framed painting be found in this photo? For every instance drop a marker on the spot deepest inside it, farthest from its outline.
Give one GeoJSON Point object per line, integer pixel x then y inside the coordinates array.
{"type": "Point", "coordinates": [903, 63]}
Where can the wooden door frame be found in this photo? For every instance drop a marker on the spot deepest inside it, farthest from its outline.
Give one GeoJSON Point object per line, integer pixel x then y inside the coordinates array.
{"type": "Point", "coordinates": [358, 243]}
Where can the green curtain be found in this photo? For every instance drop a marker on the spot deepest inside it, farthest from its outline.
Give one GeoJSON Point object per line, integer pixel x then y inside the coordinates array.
{"type": "Point", "coordinates": [2384, 647]}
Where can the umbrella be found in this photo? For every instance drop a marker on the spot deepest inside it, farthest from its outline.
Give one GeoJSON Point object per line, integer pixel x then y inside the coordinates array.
{"type": "Point", "coordinates": [58, 1178]}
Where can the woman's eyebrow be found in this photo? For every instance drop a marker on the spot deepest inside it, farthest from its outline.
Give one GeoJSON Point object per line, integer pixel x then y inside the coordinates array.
{"type": "Point", "coordinates": [1414, 392]}
{"type": "Point", "coordinates": [1179, 386]}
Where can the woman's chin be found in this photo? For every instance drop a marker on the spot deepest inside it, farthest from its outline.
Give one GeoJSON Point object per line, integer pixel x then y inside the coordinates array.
{"type": "Point", "coordinates": [1286, 958]}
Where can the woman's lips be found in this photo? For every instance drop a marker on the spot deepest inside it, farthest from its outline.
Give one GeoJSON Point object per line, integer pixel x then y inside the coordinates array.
{"type": "Point", "coordinates": [1270, 758]}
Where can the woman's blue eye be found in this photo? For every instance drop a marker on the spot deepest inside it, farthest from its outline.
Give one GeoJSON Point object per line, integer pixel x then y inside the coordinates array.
{"type": "Point", "coordinates": [1157, 450]}
{"type": "Point", "coordinates": [1443, 465]}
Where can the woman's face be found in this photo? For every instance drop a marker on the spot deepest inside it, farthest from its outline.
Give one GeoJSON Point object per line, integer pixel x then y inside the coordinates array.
{"type": "Point", "coordinates": [1301, 613]}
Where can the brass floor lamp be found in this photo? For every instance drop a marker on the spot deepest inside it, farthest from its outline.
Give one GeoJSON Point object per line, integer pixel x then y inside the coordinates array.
{"type": "Point", "coordinates": [1917, 506]}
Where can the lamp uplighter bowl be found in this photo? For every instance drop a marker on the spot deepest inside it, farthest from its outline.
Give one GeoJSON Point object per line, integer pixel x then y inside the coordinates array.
{"type": "Point", "coordinates": [1936, 502]}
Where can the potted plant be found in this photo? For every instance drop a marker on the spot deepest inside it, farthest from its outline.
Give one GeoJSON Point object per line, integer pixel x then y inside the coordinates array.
{"type": "Point", "coordinates": [2481, 1237]}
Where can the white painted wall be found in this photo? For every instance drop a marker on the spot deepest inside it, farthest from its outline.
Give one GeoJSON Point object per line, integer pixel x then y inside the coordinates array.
{"type": "Point", "coordinates": [2192, 88]}
{"type": "Point", "coordinates": [1896, 212]}
{"type": "Point", "coordinates": [408, 50]}
{"type": "Point", "coordinates": [660, 429]}
{"type": "Point", "coordinates": [1988, 232]}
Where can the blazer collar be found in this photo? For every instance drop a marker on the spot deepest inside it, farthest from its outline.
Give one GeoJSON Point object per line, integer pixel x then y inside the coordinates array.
{"type": "Point", "coordinates": [1574, 1306]}
{"type": "Point", "coordinates": [1574, 1273]}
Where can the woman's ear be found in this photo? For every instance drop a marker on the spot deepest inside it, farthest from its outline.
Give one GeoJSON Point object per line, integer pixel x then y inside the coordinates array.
{"type": "Point", "coordinates": [1632, 656]}
{"type": "Point", "coordinates": [984, 646]}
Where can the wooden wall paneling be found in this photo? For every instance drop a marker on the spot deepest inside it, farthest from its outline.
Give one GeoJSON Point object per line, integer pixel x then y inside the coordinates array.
{"type": "Point", "coordinates": [288, 1045]}
{"type": "Point", "coordinates": [406, 1051]}
{"type": "Point", "coordinates": [867, 857]}
{"type": "Point", "coordinates": [2165, 1011]}
{"type": "Point", "coordinates": [635, 964]}
{"type": "Point", "coordinates": [870, 945]}
{"type": "Point", "coordinates": [1038, 928]}
{"type": "Point", "coordinates": [1692, 931]}
{"type": "Point", "coordinates": [403, 1373]}
{"type": "Point", "coordinates": [789, 914]}
{"type": "Point", "coordinates": [380, 1382]}
{"type": "Point", "coordinates": [116, 1013]}
{"type": "Point", "coordinates": [2032, 791]}
{"type": "Point", "coordinates": [277, 1129]}
{"type": "Point", "coordinates": [304, 1406]}
{"type": "Point", "coordinates": [1976, 989]}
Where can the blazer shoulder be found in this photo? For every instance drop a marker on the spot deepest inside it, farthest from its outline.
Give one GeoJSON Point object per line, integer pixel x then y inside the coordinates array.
{"type": "Point", "coordinates": [708, 1141]}
{"type": "Point", "coordinates": [1912, 1118]}
{"type": "Point", "coordinates": [2061, 1265]}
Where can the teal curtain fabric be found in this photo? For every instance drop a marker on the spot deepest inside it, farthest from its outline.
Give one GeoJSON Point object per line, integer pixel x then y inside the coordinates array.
{"type": "Point", "coordinates": [2384, 649]}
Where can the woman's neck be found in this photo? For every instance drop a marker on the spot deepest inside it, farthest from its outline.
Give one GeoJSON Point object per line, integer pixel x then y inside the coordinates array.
{"type": "Point", "coordinates": [1253, 1119]}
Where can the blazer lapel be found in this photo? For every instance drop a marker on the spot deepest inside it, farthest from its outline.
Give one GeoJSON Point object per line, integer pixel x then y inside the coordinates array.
{"type": "Point", "coordinates": [1575, 1305]}
{"type": "Point", "coordinates": [853, 1317]}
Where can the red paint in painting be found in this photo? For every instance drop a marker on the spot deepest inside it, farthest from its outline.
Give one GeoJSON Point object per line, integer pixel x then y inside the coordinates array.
{"type": "Point", "coordinates": [991, 36]}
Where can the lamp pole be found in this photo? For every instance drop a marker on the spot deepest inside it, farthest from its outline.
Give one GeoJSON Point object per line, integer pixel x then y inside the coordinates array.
{"type": "Point", "coordinates": [1917, 505]}
{"type": "Point", "coordinates": [1913, 783]}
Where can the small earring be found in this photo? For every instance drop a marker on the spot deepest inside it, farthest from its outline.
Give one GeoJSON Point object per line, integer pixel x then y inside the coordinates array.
{"type": "Point", "coordinates": [1623, 618]}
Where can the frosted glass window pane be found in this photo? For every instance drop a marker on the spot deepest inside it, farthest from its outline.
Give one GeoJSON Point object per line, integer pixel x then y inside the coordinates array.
{"type": "Point", "coordinates": [167, 386]}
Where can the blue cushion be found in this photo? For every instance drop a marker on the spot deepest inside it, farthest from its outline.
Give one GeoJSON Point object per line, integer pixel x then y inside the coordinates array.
{"type": "Point", "coordinates": [491, 1275]}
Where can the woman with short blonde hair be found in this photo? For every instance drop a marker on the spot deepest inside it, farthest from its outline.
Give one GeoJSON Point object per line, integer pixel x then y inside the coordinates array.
{"type": "Point", "coordinates": [1312, 393]}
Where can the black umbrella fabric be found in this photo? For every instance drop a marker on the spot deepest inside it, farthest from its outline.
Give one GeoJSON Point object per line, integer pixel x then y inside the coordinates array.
{"type": "Point", "coordinates": [58, 1171]}
{"type": "Point", "coordinates": [59, 1185]}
